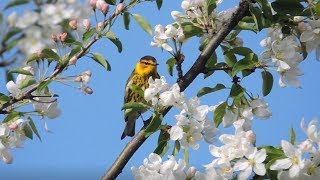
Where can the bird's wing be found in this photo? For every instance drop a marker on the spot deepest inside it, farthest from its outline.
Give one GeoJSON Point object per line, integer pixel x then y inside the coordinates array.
{"type": "Point", "coordinates": [127, 90]}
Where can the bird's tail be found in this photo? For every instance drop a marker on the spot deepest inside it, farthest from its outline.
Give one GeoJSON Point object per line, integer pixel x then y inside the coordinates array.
{"type": "Point", "coordinates": [129, 129]}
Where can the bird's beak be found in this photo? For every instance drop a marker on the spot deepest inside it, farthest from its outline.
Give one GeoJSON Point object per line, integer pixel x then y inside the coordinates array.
{"type": "Point", "coordinates": [157, 64]}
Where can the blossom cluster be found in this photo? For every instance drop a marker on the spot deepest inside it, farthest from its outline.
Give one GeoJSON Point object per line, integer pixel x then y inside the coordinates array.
{"type": "Point", "coordinates": [238, 157]}
{"type": "Point", "coordinates": [285, 52]}
{"type": "Point", "coordinates": [196, 14]}
{"type": "Point", "coordinates": [154, 168]}
{"type": "Point", "coordinates": [302, 158]}
{"type": "Point", "coordinates": [37, 26]}
{"type": "Point", "coordinates": [192, 123]}
{"type": "Point", "coordinates": [237, 154]}
{"type": "Point", "coordinates": [255, 108]}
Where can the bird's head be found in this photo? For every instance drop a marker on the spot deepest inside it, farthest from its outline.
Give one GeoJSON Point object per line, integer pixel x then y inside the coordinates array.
{"type": "Point", "coordinates": [146, 66]}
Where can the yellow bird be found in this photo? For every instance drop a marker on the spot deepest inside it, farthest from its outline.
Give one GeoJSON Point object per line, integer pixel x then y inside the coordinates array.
{"type": "Point", "coordinates": [145, 68]}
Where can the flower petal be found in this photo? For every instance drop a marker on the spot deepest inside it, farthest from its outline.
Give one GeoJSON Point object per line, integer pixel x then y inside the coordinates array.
{"type": "Point", "coordinates": [259, 168]}
{"type": "Point", "coordinates": [281, 164]}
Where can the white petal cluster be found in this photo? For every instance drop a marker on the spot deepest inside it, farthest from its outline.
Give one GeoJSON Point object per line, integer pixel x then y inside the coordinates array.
{"type": "Point", "coordinates": [38, 26]}
{"type": "Point", "coordinates": [154, 168]}
{"type": "Point", "coordinates": [192, 124]}
{"type": "Point", "coordinates": [285, 52]}
{"type": "Point", "coordinates": [195, 13]}
{"type": "Point", "coordinates": [237, 154]}
{"type": "Point", "coordinates": [164, 35]}
{"type": "Point", "coordinates": [255, 108]}
{"type": "Point", "coordinates": [311, 36]}
{"type": "Point", "coordinates": [11, 136]}
{"type": "Point", "coordinates": [16, 88]}
{"type": "Point", "coordinates": [302, 159]}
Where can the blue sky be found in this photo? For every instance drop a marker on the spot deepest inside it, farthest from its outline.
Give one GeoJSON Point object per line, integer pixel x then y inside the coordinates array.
{"type": "Point", "coordinates": [86, 137]}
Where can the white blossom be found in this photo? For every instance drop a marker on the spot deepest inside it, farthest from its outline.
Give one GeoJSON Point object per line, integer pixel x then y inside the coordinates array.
{"type": "Point", "coordinates": [293, 162]}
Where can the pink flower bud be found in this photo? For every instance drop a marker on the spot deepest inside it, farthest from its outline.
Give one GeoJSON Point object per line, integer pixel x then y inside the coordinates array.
{"type": "Point", "coordinates": [73, 60]}
{"type": "Point", "coordinates": [105, 8]}
{"type": "Point", "coordinates": [63, 36]}
{"type": "Point", "coordinates": [86, 24]}
{"type": "Point", "coordinates": [13, 126]}
{"type": "Point", "coordinates": [78, 79]}
{"type": "Point", "coordinates": [73, 24]}
{"type": "Point", "coordinates": [100, 4]}
{"type": "Point", "coordinates": [119, 8]}
{"type": "Point", "coordinates": [100, 26]}
{"type": "Point", "coordinates": [88, 73]}
{"type": "Point", "coordinates": [54, 37]}
{"type": "Point", "coordinates": [88, 90]}
{"type": "Point", "coordinates": [251, 136]}
{"type": "Point", "coordinates": [191, 172]}
{"type": "Point", "coordinates": [93, 3]}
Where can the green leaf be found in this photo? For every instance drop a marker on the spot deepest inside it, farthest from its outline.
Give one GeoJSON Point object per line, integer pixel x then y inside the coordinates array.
{"type": "Point", "coordinates": [71, 41]}
{"type": "Point", "coordinates": [211, 5]}
{"type": "Point", "coordinates": [28, 131]}
{"type": "Point", "coordinates": [102, 61]}
{"type": "Point", "coordinates": [15, 3]}
{"type": "Point", "coordinates": [34, 128]}
{"type": "Point", "coordinates": [190, 30]}
{"type": "Point", "coordinates": [236, 91]}
{"type": "Point", "coordinates": [26, 83]}
{"type": "Point", "coordinates": [162, 148]}
{"type": "Point", "coordinates": [219, 112]}
{"type": "Point", "coordinates": [246, 26]}
{"type": "Point", "coordinates": [4, 99]}
{"type": "Point", "coordinates": [159, 4]}
{"type": "Point", "coordinates": [243, 51]}
{"type": "Point", "coordinates": [170, 65]}
{"type": "Point", "coordinates": [74, 51]}
{"type": "Point", "coordinates": [20, 71]}
{"type": "Point", "coordinates": [126, 20]}
{"type": "Point", "coordinates": [88, 34]}
{"type": "Point", "coordinates": [143, 23]}
{"type": "Point", "coordinates": [50, 54]}
{"type": "Point", "coordinates": [154, 124]}
{"type": "Point", "coordinates": [266, 8]}
{"type": "Point", "coordinates": [207, 90]}
{"type": "Point", "coordinates": [43, 85]}
{"type": "Point", "coordinates": [12, 117]}
{"type": "Point", "coordinates": [292, 136]}
{"type": "Point", "coordinates": [33, 57]}
{"type": "Point", "coordinates": [137, 89]}
{"type": "Point", "coordinates": [292, 7]}
{"type": "Point", "coordinates": [245, 63]}
{"type": "Point", "coordinates": [10, 34]}
{"type": "Point", "coordinates": [257, 16]}
{"type": "Point", "coordinates": [229, 56]}
{"type": "Point", "coordinates": [9, 76]}
{"type": "Point", "coordinates": [112, 2]}
{"type": "Point", "coordinates": [135, 106]}
{"type": "Point", "coordinates": [273, 153]}
{"type": "Point", "coordinates": [267, 82]}
{"type": "Point", "coordinates": [163, 135]}
{"type": "Point", "coordinates": [112, 37]}
{"type": "Point", "coordinates": [12, 43]}
{"type": "Point", "coordinates": [211, 63]}
{"type": "Point", "coordinates": [176, 148]}
{"type": "Point", "coordinates": [272, 174]}
{"type": "Point", "coordinates": [317, 8]}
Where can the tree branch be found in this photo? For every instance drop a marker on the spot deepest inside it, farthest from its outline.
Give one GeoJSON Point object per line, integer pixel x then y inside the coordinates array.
{"type": "Point", "coordinates": [197, 68]}
{"type": "Point", "coordinates": [56, 72]}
